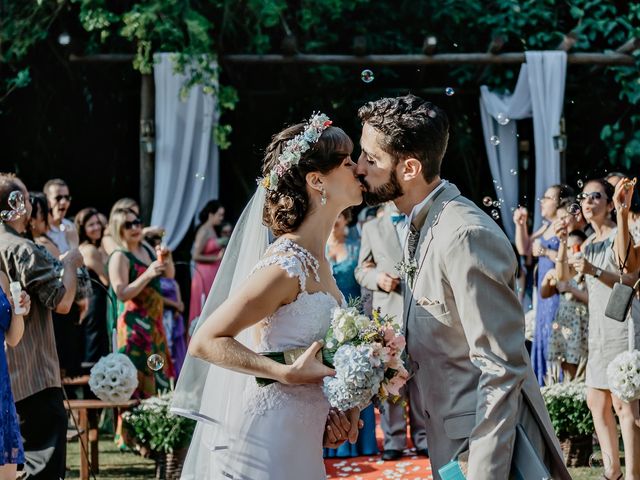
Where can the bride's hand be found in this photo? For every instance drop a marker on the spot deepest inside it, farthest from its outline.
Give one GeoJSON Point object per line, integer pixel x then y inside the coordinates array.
{"type": "Point", "coordinates": [307, 368]}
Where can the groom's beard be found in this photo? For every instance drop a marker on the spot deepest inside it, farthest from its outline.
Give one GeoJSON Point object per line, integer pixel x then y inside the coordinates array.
{"type": "Point", "coordinates": [384, 193]}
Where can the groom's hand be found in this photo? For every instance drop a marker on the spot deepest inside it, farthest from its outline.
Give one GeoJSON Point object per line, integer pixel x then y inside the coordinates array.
{"type": "Point", "coordinates": [340, 427]}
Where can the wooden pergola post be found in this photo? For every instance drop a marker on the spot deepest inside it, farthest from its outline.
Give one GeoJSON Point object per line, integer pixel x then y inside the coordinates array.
{"type": "Point", "coordinates": [147, 146]}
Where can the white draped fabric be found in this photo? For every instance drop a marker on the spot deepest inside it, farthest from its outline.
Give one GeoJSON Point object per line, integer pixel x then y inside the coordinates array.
{"type": "Point", "coordinates": [186, 163]}
{"type": "Point", "coordinates": [539, 93]}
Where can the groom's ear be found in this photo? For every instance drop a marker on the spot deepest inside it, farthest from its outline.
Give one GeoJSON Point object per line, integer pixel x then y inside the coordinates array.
{"type": "Point", "coordinates": [411, 168]}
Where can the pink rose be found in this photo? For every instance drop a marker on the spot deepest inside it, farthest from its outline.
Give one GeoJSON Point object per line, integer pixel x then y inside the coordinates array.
{"type": "Point", "coordinates": [397, 343]}
{"type": "Point", "coordinates": [389, 334]}
{"type": "Point", "coordinates": [395, 384]}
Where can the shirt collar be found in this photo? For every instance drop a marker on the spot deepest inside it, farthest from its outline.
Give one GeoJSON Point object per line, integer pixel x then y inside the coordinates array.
{"type": "Point", "coordinates": [418, 208]}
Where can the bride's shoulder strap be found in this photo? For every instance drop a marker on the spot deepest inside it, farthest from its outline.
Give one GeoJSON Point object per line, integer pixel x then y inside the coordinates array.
{"type": "Point", "coordinates": [293, 259]}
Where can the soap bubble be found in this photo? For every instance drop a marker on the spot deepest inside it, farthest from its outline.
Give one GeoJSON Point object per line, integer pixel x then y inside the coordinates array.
{"type": "Point", "coordinates": [573, 209]}
{"type": "Point", "coordinates": [580, 183]}
{"type": "Point", "coordinates": [487, 201]}
{"type": "Point", "coordinates": [495, 214]}
{"type": "Point", "coordinates": [155, 362]}
{"type": "Point", "coordinates": [496, 203]}
{"type": "Point", "coordinates": [449, 91]}
{"type": "Point", "coordinates": [494, 140]}
{"type": "Point", "coordinates": [513, 172]}
{"type": "Point", "coordinates": [200, 176]}
{"type": "Point", "coordinates": [502, 118]}
{"type": "Point", "coordinates": [367, 76]}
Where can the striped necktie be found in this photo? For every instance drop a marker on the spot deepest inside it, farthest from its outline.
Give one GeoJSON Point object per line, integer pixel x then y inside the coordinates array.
{"type": "Point", "coordinates": [412, 241]}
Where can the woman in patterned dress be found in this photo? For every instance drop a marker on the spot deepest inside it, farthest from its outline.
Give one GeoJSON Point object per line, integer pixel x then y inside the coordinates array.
{"type": "Point", "coordinates": [133, 274]}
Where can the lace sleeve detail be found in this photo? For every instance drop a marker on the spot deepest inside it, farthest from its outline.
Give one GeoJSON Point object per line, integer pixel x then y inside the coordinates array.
{"type": "Point", "coordinates": [289, 263]}
{"type": "Point", "coordinates": [293, 259]}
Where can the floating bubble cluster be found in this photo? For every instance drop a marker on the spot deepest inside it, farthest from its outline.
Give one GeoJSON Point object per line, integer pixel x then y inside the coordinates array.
{"type": "Point", "coordinates": [495, 214]}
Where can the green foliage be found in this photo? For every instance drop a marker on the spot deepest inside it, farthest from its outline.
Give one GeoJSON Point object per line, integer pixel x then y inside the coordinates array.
{"type": "Point", "coordinates": [567, 406]}
{"type": "Point", "coordinates": [204, 29]}
{"type": "Point", "coordinates": [155, 427]}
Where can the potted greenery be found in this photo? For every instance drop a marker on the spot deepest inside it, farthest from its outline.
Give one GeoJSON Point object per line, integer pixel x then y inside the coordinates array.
{"type": "Point", "coordinates": [165, 435]}
{"type": "Point", "coordinates": [571, 419]}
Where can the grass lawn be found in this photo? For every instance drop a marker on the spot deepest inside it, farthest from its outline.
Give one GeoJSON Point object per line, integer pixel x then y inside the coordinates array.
{"type": "Point", "coordinates": [115, 465]}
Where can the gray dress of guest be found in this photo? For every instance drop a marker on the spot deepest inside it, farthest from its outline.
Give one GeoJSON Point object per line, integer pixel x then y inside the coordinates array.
{"type": "Point", "coordinates": [607, 337]}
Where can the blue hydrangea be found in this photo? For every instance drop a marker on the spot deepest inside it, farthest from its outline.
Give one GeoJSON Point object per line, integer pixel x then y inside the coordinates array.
{"type": "Point", "coordinates": [356, 380]}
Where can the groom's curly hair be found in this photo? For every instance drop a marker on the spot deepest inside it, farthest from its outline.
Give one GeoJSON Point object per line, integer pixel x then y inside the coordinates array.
{"type": "Point", "coordinates": [412, 127]}
{"type": "Point", "coordinates": [286, 207]}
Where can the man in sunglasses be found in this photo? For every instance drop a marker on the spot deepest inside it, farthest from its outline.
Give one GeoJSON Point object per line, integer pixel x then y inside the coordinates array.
{"type": "Point", "coordinates": [61, 230]}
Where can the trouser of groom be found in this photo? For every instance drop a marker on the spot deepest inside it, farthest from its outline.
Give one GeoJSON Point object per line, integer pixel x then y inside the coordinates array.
{"type": "Point", "coordinates": [43, 426]}
{"type": "Point", "coordinates": [393, 421]}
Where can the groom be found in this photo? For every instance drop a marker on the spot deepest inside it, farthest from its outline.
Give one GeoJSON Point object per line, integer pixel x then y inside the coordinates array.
{"type": "Point", "coordinates": [464, 324]}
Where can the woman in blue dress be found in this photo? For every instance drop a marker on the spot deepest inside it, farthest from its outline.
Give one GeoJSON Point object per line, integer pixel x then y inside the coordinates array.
{"type": "Point", "coordinates": [342, 253]}
{"type": "Point", "coordinates": [11, 330]}
{"type": "Point", "coordinates": [544, 245]}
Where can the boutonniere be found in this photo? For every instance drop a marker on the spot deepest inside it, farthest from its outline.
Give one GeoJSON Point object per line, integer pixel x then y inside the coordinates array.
{"type": "Point", "coordinates": [408, 269]}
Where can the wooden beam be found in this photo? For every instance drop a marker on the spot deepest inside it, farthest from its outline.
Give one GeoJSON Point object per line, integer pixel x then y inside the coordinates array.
{"type": "Point", "coordinates": [568, 41]}
{"type": "Point", "coordinates": [586, 58]}
{"type": "Point", "coordinates": [611, 58]}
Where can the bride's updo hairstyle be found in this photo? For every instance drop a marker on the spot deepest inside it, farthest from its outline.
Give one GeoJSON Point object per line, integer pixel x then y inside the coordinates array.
{"type": "Point", "coordinates": [287, 204]}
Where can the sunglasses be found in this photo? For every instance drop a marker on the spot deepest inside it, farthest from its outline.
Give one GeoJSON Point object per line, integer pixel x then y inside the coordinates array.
{"type": "Point", "coordinates": [133, 223]}
{"type": "Point", "coordinates": [59, 198]}
{"type": "Point", "coordinates": [593, 196]}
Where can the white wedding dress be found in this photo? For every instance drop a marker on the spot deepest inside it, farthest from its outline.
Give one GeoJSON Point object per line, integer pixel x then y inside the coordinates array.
{"type": "Point", "coordinates": [282, 428]}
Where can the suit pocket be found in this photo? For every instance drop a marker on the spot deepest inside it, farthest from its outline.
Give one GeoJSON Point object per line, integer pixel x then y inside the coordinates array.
{"type": "Point", "coordinates": [436, 312]}
{"type": "Point", "coordinates": [460, 426]}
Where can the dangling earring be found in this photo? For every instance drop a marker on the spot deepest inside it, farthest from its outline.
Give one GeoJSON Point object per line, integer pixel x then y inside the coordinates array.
{"type": "Point", "coordinates": [323, 199]}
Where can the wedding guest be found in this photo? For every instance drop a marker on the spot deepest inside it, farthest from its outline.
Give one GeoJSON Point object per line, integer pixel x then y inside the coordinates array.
{"type": "Point", "coordinates": [133, 275]}
{"type": "Point", "coordinates": [61, 230]}
{"type": "Point", "coordinates": [633, 216]}
{"type": "Point", "coordinates": [108, 244]}
{"type": "Point", "coordinates": [172, 319]}
{"type": "Point", "coordinates": [342, 252]}
{"type": "Point", "coordinates": [90, 230]}
{"type": "Point", "coordinates": [173, 322]}
{"type": "Point", "coordinates": [11, 331]}
{"type": "Point", "coordinates": [381, 250]}
{"type": "Point", "coordinates": [207, 254]}
{"type": "Point", "coordinates": [542, 244]}
{"type": "Point", "coordinates": [33, 363]}
{"type": "Point", "coordinates": [68, 330]}
{"type": "Point", "coordinates": [38, 227]}
{"type": "Point", "coordinates": [607, 338]}
{"type": "Point", "coordinates": [568, 341]}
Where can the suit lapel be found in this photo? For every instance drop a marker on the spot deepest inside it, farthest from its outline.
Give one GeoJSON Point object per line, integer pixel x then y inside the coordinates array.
{"type": "Point", "coordinates": [431, 217]}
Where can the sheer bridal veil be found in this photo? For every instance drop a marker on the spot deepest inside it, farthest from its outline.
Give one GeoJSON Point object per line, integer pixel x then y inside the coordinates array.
{"type": "Point", "coordinates": [205, 392]}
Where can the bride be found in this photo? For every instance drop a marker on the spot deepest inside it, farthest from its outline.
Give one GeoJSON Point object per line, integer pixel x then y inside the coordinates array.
{"type": "Point", "coordinates": [273, 299]}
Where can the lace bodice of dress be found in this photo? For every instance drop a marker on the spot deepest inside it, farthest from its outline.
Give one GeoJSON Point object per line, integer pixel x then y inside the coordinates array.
{"type": "Point", "coordinates": [295, 325]}
{"type": "Point", "coordinates": [307, 318]}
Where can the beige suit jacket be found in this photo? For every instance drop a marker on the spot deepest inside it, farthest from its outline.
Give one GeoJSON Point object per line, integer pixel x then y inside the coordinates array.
{"type": "Point", "coordinates": [380, 245]}
{"type": "Point", "coordinates": [465, 335]}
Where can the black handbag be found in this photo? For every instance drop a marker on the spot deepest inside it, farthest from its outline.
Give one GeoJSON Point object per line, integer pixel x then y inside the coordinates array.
{"type": "Point", "coordinates": [621, 295]}
{"type": "Point", "coordinates": [620, 301]}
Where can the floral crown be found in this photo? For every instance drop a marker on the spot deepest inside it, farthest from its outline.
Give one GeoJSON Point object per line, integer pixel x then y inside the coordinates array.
{"type": "Point", "coordinates": [295, 148]}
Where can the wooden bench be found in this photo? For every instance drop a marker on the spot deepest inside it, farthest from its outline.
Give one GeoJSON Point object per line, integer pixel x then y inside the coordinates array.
{"type": "Point", "coordinates": [88, 430]}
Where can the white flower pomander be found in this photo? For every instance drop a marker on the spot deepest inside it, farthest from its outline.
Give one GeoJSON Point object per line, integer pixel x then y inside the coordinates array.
{"type": "Point", "coordinates": [114, 378]}
{"type": "Point", "coordinates": [624, 376]}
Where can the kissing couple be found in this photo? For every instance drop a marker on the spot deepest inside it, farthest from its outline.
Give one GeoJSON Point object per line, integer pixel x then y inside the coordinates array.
{"type": "Point", "coordinates": [463, 322]}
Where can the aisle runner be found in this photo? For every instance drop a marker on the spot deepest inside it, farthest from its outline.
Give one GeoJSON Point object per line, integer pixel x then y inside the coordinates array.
{"type": "Point", "coordinates": [409, 467]}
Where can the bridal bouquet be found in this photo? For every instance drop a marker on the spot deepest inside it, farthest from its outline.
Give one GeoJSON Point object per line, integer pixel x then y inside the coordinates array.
{"type": "Point", "coordinates": [624, 376]}
{"type": "Point", "coordinates": [366, 354]}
